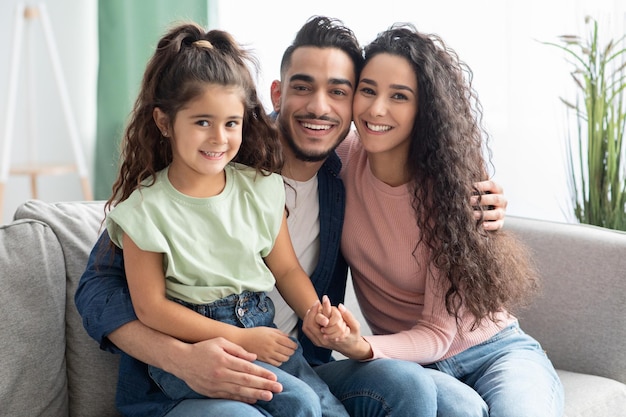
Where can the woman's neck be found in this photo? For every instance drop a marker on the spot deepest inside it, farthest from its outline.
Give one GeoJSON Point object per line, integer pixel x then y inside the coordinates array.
{"type": "Point", "coordinates": [389, 168]}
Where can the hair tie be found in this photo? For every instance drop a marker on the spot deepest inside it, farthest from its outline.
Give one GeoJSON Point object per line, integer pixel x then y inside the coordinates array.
{"type": "Point", "coordinates": [203, 43]}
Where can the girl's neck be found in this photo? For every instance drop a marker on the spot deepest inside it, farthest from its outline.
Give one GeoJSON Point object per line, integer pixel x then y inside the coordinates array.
{"type": "Point", "coordinates": [197, 186]}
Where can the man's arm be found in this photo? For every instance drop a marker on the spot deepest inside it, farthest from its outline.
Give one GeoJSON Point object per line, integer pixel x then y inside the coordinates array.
{"type": "Point", "coordinates": [494, 204]}
{"type": "Point", "coordinates": [215, 368]}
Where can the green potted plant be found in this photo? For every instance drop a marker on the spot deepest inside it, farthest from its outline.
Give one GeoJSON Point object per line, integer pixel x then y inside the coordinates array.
{"type": "Point", "coordinates": [596, 147]}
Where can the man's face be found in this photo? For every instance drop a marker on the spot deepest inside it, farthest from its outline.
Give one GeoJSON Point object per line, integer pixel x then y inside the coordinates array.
{"type": "Point", "coordinates": [314, 101]}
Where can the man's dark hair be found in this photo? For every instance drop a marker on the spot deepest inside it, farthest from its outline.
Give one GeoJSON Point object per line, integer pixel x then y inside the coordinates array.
{"type": "Point", "coordinates": [325, 32]}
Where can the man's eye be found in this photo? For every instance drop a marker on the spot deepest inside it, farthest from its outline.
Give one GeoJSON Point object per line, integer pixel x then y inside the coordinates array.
{"type": "Point", "coordinates": [338, 92]}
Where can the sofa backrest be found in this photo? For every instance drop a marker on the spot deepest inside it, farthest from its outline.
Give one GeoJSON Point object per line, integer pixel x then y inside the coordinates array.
{"type": "Point", "coordinates": [91, 373]}
{"type": "Point", "coordinates": [579, 317]}
{"type": "Point", "coordinates": [32, 321]}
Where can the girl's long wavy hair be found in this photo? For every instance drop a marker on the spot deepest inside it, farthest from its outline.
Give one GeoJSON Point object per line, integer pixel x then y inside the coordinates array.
{"type": "Point", "coordinates": [186, 60]}
{"type": "Point", "coordinates": [486, 272]}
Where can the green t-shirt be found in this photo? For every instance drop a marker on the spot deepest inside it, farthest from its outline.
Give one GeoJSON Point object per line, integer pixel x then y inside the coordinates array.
{"type": "Point", "coordinates": [213, 247]}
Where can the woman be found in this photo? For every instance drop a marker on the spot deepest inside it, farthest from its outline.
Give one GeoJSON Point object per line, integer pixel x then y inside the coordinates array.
{"type": "Point", "coordinates": [434, 287]}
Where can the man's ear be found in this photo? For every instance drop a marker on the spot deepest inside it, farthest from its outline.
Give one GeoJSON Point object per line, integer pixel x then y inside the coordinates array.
{"type": "Point", "coordinates": [275, 95]}
{"type": "Point", "coordinates": [162, 121]}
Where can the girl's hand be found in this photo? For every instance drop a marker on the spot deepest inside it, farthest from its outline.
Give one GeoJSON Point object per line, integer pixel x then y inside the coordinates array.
{"type": "Point", "coordinates": [351, 343]}
{"type": "Point", "coordinates": [270, 345]}
{"type": "Point", "coordinates": [333, 326]}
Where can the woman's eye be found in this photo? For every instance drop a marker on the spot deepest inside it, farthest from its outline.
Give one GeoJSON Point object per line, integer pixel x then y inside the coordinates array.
{"type": "Point", "coordinates": [367, 91]}
{"type": "Point", "coordinates": [399, 96]}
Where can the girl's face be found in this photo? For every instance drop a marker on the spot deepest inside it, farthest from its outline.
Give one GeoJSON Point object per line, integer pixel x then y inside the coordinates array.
{"type": "Point", "coordinates": [207, 133]}
{"type": "Point", "coordinates": [385, 105]}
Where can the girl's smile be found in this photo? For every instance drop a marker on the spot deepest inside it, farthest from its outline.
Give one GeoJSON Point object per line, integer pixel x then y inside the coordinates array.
{"type": "Point", "coordinates": [207, 134]}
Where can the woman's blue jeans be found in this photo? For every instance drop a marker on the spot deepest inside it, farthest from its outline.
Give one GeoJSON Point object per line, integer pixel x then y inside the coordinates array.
{"type": "Point", "coordinates": [507, 376]}
{"type": "Point", "coordinates": [304, 393]}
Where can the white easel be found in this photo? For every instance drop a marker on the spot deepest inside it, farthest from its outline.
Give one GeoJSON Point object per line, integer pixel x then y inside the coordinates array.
{"type": "Point", "coordinates": [33, 169]}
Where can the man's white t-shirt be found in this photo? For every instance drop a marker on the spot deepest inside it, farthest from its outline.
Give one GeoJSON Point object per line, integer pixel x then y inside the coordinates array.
{"type": "Point", "coordinates": [302, 201]}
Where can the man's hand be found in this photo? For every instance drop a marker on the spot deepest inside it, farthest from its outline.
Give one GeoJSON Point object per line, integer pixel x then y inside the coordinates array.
{"type": "Point", "coordinates": [218, 368]}
{"type": "Point", "coordinates": [493, 202]}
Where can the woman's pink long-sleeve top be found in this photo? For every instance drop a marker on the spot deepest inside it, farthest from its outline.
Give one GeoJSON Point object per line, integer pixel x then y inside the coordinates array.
{"type": "Point", "coordinates": [394, 284]}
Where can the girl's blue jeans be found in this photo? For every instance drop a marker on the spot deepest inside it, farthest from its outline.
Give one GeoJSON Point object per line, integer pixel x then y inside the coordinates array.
{"type": "Point", "coordinates": [304, 393]}
{"type": "Point", "coordinates": [509, 375]}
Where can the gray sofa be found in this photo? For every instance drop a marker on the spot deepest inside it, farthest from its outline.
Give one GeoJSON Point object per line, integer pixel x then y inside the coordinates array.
{"type": "Point", "coordinates": [50, 367]}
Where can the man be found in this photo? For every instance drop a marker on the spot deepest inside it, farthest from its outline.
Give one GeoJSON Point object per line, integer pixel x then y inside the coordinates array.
{"type": "Point", "coordinates": [313, 106]}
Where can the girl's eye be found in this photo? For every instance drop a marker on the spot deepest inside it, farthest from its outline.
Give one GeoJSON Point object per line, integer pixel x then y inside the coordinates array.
{"type": "Point", "coordinates": [232, 123]}
{"type": "Point", "coordinates": [203, 123]}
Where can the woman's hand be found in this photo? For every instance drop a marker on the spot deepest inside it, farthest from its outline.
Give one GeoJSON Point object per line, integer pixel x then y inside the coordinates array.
{"type": "Point", "coordinates": [336, 328]}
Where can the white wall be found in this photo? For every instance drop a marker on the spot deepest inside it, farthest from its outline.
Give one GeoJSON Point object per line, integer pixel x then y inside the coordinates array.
{"type": "Point", "coordinates": [518, 79]}
{"type": "Point", "coordinates": [41, 129]}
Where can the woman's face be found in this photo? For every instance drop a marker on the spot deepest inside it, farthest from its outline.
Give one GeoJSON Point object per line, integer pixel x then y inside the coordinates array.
{"type": "Point", "coordinates": [385, 105]}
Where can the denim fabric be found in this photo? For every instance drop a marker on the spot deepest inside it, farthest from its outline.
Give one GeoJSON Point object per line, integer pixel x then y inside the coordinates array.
{"type": "Point", "coordinates": [304, 393]}
{"type": "Point", "coordinates": [506, 376]}
{"type": "Point", "coordinates": [198, 408]}
{"type": "Point", "coordinates": [510, 372]}
{"type": "Point", "coordinates": [381, 388]}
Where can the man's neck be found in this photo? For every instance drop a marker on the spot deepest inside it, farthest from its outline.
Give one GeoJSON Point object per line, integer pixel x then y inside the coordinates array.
{"type": "Point", "coordinates": [298, 170]}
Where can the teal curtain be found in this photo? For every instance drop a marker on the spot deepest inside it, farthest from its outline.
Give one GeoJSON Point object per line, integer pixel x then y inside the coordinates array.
{"type": "Point", "coordinates": [128, 33]}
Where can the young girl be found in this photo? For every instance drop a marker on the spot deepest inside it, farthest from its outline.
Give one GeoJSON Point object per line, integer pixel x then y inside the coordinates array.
{"type": "Point", "coordinates": [199, 213]}
{"type": "Point", "coordinates": [435, 289]}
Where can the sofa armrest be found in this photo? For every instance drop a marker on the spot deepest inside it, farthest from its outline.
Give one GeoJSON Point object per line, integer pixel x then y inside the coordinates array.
{"type": "Point", "coordinates": [579, 316]}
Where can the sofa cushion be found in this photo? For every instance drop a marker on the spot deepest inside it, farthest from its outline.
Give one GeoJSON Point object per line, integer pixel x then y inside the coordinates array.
{"type": "Point", "coordinates": [578, 317]}
{"type": "Point", "coordinates": [92, 373]}
{"type": "Point", "coordinates": [32, 307]}
{"type": "Point", "coordinates": [592, 396]}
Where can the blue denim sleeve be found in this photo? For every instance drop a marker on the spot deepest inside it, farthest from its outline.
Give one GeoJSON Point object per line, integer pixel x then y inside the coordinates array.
{"type": "Point", "coordinates": [102, 297]}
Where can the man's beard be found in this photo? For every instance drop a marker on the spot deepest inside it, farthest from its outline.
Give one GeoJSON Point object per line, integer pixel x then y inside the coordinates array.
{"type": "Point", "coordinates": [303, 155]}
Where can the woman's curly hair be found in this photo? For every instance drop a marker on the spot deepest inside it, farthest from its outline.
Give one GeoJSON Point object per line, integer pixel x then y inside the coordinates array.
{"type": "Point", "coordinates": [186, 60]}
{"type": "Point", "coordinates": [486, 272]}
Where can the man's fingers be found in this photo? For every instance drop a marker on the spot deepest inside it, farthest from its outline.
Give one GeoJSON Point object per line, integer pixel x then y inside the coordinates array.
{"type": "Point", "coordinates": [489, 186]}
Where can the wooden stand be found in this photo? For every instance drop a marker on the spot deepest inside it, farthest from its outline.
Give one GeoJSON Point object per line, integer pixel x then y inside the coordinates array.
{"type": "Point", "coordinates": [33, 169]}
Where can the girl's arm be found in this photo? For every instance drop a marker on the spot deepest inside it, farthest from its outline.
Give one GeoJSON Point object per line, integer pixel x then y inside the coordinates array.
{"type": "Point", "coordinates": [146, 282]}
{"type": "Point", "coordinates": [293, 283]}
